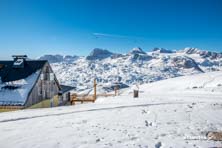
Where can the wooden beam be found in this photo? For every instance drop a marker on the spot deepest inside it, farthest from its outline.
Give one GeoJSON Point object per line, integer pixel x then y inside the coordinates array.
{"type": "Point", "coordinates": [94, 89]}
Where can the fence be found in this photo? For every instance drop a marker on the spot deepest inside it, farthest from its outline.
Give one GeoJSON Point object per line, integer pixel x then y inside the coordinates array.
{"type": "Point", "coordinates": [86, 98]}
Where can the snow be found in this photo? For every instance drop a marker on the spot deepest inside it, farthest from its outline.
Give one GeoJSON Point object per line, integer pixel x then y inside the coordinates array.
{"type": "Point", "coordinates": [18, 95]}
{"type": "Point", "coordinates": [135, 67]}
{"type": "Point", "coordinates": [99, 54]}
{"type": "Point", "coordinates": [176, 112]}
{"type": "Point", "coordinates": [137, 50]}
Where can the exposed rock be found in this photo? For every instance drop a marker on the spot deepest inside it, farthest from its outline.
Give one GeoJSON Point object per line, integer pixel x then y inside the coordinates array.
{"type": "Point", "coordinates": [99, 54]}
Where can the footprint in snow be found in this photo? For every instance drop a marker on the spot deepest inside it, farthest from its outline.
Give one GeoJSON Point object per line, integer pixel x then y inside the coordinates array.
{"type": "Point", "coordinates": [158, 145]}
{"type": "Point", "coordinates": [125, 131]}
{"type": "Point", "coordinates": [157, 137]}
{"type": "Point", "coordinates": [97, 140]}
{"type": "Point", "coordinates": [163, 135]}
{"type": "Point", "coordinates": [189, 106]}
{"type": "Point", "coordinates": [133, 138]}
{"type": "Point", "coordinates": [144, 111]}
{"type": "Point", "coordinates": [84, 121]}
{"type": "Point", "coordinates": [148, 123]}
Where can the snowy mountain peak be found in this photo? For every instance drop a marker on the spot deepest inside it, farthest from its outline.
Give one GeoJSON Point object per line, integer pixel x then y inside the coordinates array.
{"type": "Point", "coordinates": [137, 50]}
{"type": "Point", "coordinates": [69, 58]}
{"type": "Point", "coordinates": [58, 58]}
{"type": "Point", "coordinates": [99, 54]}
{"type": "Point", "coordinates": [162, 50]}
{"type": "Point", "coordinates": [191, 50]}
{"type": "Point", "coordinates": [137, 54]}
{"type": "Point", "coordinates": [202, 53]}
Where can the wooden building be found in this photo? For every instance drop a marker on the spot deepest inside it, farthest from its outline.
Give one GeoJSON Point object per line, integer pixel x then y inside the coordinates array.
{"type": "Point", "coordinates": [25, 82]}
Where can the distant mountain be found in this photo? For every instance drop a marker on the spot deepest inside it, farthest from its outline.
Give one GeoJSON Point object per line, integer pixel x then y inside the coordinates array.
{"type": "Point", "coordinates": [162, 50]}
{"type": "Point", "coordinates": [69, 58]}
{"type": "Point", "coordinates": [202, 53]}
{"type": "Point", "coordinates": [190, 50]}
{"type": "Point", "coordinates": [136, 66]}
{"type": "Point", "coordinates": [186, 63]}
{"type": "Point", "coordinates": [99, 54]}
{"type": "Point", "coordinates": [58, 58]}
{"type": "Point", "coordinates": [52, 58]}
{"type": "Point", "coordinates": [137, 50]}
{"type": "Point", "coordinates": [137, 54]}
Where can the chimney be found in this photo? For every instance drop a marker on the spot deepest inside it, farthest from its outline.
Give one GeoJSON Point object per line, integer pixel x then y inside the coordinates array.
{"type": "Point", "coordinates": [19, 61]}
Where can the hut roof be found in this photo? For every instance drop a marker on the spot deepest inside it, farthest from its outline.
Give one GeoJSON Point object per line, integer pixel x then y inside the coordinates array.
{"type": "Point", "coordinates": [9, 73]}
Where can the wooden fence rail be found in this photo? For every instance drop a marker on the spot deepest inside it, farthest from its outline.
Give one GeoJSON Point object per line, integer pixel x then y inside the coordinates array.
{"type": "Point", "coordinates": [86, 98]}
{"type": "Point", "coordinates": [89, 98]}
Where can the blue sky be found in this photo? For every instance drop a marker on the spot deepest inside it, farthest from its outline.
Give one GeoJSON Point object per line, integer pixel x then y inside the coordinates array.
{"type": "Point", "coordinates": [75, 27]}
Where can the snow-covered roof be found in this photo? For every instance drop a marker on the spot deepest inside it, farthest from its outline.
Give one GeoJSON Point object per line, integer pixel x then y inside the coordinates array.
{"type": "Point", "coordinates": [16, 92]}
{"type": "Point", "coordinates": [16, 83]}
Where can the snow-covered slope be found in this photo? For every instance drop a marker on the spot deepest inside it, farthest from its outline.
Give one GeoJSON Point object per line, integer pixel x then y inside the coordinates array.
{"type": "Point", "coordinates": [137, 66]}
{"type": "Point", "coordinates": [176, 112]}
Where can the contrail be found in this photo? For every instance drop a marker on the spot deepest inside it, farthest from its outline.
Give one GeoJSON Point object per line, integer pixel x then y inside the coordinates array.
{"type": "Point", "coordinates": [109, 35]}
{"type": "Point", "coordinates": [117, 36]}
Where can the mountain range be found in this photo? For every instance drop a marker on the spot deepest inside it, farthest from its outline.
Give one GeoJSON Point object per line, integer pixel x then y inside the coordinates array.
{"type": "Point", "coordinates": [136, 66]}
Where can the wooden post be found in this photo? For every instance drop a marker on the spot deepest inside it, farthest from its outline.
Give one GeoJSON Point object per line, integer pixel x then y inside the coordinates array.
{"type": "Point", "coordinates": [136, 91]}
{"type": "Point", "coordinates": [94, 89]}
{"type": "Point", "coordinates": [116, 90]}
{"type": "Point", "coordinates": [73, 98]}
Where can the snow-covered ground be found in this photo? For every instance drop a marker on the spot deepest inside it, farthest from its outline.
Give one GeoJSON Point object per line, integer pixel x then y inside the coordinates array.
{"type": "Point", "coordinates": [176, 112]}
